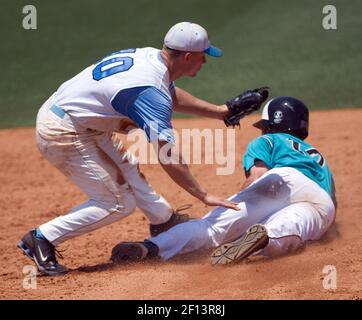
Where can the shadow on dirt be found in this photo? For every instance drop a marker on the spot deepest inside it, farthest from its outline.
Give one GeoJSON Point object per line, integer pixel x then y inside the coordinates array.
{"type": "Point", "coordinates": [96, 268]}
{"type": "Point", "coordinates": [332, 234]}
{"type": "Point", "coordinates": [202, 257]}
{"type": "Point", "coordinates": [107, 266]}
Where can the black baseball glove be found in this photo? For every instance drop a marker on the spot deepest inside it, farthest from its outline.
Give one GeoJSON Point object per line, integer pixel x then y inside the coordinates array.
{"type": "Point", "coordinates": [244, 104]}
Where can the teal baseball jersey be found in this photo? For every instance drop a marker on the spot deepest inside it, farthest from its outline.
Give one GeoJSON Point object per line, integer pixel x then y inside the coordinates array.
{"type": "Point", "coordinates": [283, 150]}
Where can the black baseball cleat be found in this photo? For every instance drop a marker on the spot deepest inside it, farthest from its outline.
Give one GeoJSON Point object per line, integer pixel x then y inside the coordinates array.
{"type": "Point", "coordinates": [134, 251]}
{"type": "Point", "coordinates": [42, 252]}
{"type": "Point", "coordinates": [254, 239]}
{"type": "Point", "coordinates": [175, 219]}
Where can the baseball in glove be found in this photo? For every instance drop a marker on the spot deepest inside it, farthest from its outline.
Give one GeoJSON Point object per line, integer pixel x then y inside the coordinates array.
{"type": "Point", "coordinates": [244, 104]}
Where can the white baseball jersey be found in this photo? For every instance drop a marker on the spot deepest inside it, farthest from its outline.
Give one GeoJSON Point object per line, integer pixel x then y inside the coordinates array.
{"type": "Point", "coordinates": [128, 84]}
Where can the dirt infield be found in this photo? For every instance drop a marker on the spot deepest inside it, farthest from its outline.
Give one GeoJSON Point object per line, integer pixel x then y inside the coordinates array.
{"type": "Point", "coordinates": [32, 192]}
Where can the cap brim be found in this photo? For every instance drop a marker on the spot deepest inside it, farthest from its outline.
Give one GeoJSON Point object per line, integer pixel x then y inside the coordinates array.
{"type": "Point", "coordinates": [213, 51]}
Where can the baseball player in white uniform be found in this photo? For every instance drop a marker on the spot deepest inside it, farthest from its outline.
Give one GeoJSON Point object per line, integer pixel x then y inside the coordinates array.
{"type": "Point", "coordinates": [287, 199]}
{"type": "Point", "coordinates": [75, 131]}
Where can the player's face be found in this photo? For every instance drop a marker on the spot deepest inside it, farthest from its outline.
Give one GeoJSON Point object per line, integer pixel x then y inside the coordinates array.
{"type": "Point", "coordinates": [194, 62]}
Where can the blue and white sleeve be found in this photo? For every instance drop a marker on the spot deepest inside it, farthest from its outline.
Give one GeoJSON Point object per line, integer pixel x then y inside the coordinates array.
{"type": "Point", "coordinates": [150, 109]}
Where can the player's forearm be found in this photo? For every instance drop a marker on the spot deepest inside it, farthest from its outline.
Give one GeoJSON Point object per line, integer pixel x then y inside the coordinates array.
{"type": "Point", "coordinates": [181, 174]}
{"type": "Point", "coordinates": [186, 103]}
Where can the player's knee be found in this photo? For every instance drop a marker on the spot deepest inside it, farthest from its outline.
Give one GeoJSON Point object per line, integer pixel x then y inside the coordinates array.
{"type": "Point", "coordinates": [122, 205]}
{"type": "Point", "coordinates": [200, 232]}
{"type": "Point", "coordinates": [281, 246]}
{"type": "Point", "coordinates": [127, 205]}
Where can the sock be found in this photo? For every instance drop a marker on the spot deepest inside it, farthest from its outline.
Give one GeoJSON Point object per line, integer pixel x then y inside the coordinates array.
{"type": "Point", "coordinates": [39, 235]}
{"type": "Point", "coordinates": [151, 247]}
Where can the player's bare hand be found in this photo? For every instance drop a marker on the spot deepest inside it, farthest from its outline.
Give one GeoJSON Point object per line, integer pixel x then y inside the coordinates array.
{"type": "Point", "coordinates": [211, 200]}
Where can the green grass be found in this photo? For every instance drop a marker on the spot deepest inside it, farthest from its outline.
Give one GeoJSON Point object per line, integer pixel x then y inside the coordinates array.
{"type": "Point", "coordinates": [266, 42]}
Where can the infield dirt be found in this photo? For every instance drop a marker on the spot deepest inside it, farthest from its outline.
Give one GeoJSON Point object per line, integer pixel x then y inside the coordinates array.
{"type": "Point", "coordinates": [33, 192]}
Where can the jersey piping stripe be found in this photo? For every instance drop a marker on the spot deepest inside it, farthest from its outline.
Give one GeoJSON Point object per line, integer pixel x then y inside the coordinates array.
{"type": "Point", "coordinates": [269, 140]}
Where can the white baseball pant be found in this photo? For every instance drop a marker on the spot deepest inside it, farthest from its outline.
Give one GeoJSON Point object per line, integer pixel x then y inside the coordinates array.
{"type": "Point", "coordinates": [98, 164]}
{"type": "Point", "coordinates": [293, 208]}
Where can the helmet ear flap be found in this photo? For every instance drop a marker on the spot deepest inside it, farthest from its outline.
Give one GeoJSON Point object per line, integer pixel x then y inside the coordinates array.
{"type": "Point", "coordinates": [267, 128]}
{"type": "Point", "coordinates": [271, 127]}
{"type": "Point", "coordinates": [264, 126]}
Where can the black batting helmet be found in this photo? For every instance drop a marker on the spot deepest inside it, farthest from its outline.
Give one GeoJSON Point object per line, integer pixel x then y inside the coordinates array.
{"type": "Point", "coordinates": [285, 115]}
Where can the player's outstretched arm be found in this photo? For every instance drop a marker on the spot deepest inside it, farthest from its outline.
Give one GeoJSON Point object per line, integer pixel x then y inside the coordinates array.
{"type": "Point", "coordinates": [179, 172]}
{"type": "Point", "coordinates": [185, 102]}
